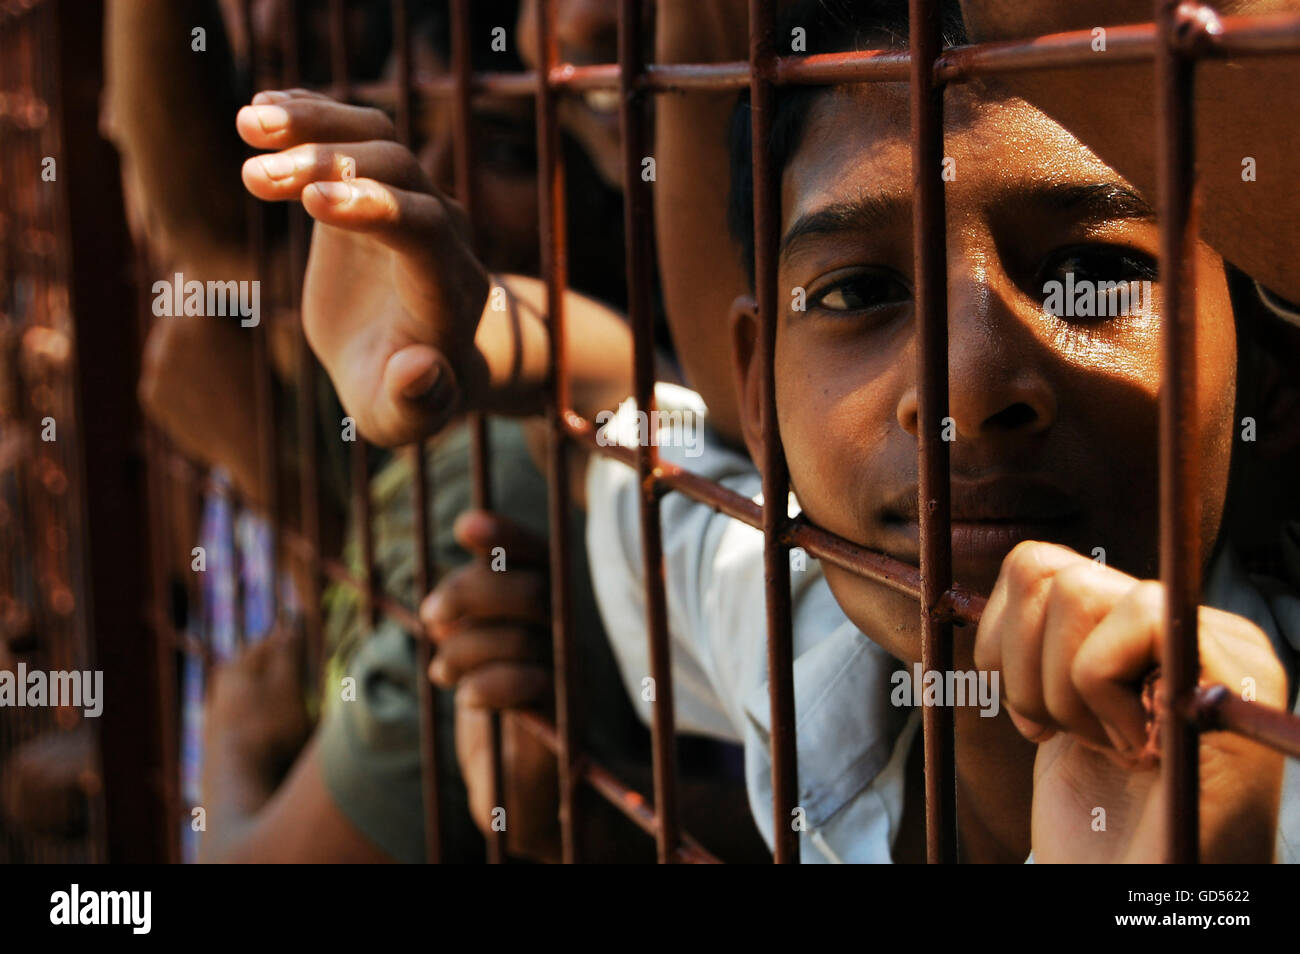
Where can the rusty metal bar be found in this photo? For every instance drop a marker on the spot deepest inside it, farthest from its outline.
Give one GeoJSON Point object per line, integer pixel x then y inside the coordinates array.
{"type": "Point", "coordinates": [431, 782]}
{"type": "Point", "coordinates": [305, 377]}
{"type": "Point", "coordinates": [776, 482]}
{"type": "Point", "coordinates": [359, 451]}
{"type": "Point", "coordinates": [553, 228]}
{"type": "Point", "coordinates": [627, 800]}
{"type": "Point", "coordinates": [268, 439]}
{"type": "Point", "coordinates": [137, 824]}
{"type": "Point", "coordinates": [1241, 36]}
{"type": "Point", "coordinates": [1180, 537]}
{"type": "Point", "coordinates": [1217, 708]}
{"type": "Point", "coordinates": [462, 72]}
{"type": "Point", "coordinates": [338, 20]}
{"type": "Point", "coordinates": [638, 210]}
{"type": "Point", "coordinates": [929, 234]}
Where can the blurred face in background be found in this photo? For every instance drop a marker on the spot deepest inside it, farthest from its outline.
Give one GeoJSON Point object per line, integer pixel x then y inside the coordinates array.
{"type": "Point", "coordinates": [505, 167]}
{"type": "Point", "coordinates": [587, 33]}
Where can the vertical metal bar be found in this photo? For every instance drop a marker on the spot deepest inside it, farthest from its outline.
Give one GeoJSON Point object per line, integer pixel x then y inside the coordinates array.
{"type": "Point", "coordinates": [1180, 538]}
{"type": "Point", "coordinates": [131, 728]}
{"type": "Point", "coordinates": [263, 384]}
{"type": "Point", "coordinates": [638, 210]}
{"type": "Point", "coordinates": [306, 376]}
{"type": "Point", "coordinates": [554, 270]}
{"type": "Point", "coordinates": [359, 451]}
{"type": "Point", "coordinates": [928, 227]}
{"type": "Point", "coordinates": [160, 543]}
{"type": "Point", "coordinates": [339, 47]}
{"type": "Point", "coordinates": [425, 571]}
{"type": "Point", "coordinates": [462, 66]}
{"type": "Point", "coordinates": [776, 481]}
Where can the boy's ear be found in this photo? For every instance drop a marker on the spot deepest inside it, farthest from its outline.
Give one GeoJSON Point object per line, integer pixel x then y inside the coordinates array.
{"type": "Point", "coordinates": [746, 372]}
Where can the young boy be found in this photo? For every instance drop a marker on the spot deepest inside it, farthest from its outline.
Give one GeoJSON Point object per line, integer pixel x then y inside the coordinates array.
{"type": "Point", "coordinates": [1054, 441]}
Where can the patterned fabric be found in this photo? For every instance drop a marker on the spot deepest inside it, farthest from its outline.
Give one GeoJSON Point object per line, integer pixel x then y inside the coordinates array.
{"type": "Point", "coordinates": [237, 551]}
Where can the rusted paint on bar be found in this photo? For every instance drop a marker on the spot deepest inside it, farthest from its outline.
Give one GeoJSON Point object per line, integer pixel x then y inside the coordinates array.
{"type": "Point", "coordinates": [928, 228]}
{"type": "Point", "coordinates": [480, 464]}
{"type": "Point", "coordinates": [627, 800]}
{"type": "Point", "coordinates": [1180, 512]}
{"type": "Point", "coordinates": [105, 372]}
{"type": "Point", "coordinates": [638, 211]}
{"type": "Point", "coordinates": [402, 106]}
{"type": "Point", "coordinates": [1217, 708]}
{"type": "Point", "coordinates": [425, 571]}
{"type": "Point", "coordinates": [776, 486]}
{"type": "Point", "coordinates": [1241, 36]}
{"type": "Point", "coordinates": [1136, 43]}
{"type": "Point", "coordinates": [879, 66]}
{"type": "Point", "coordinates": [552, 226]}
{"type": "Point", "coordinates": [338, 20]}
{"type": "Point", "coordinates": [263, 384]}
{"type": "Point", "coordinates": [959, 604]}
{"type": "Point", "coordinates": [305, 377]}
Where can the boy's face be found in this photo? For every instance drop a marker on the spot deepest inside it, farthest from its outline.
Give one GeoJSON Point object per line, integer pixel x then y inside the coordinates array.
{"type": "Point", "coordinates": [1054, 418]}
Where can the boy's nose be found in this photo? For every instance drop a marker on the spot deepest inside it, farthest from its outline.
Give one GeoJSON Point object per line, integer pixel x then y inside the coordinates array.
{"type": "Point", "coordinates": [997, 390]}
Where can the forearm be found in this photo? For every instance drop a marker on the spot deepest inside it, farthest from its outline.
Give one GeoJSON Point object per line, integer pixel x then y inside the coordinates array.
{"type": "Point", "coordinates": [234, 792]}
{"type": "Point", "coordinates": [514, 342]}
{"type": "Point", "coordinates": [159, 97]}
{"type": "Point", "coordinates": [700, 269]}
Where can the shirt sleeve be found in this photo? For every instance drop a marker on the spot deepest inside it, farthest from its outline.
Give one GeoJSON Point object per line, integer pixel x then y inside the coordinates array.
{"type": "Point", "coordinates": [369, 746]}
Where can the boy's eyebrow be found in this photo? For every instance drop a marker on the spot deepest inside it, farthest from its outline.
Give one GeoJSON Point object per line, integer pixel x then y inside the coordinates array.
{"type": "Point", "coordinates": [1097, 202]}
{"type": "Point", "coordinates": [861, 214]}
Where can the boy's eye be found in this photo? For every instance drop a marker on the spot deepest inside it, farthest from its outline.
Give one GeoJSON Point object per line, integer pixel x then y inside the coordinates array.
{"type": "Point", "coordinates": [860, 291]}
{"type": "Point", "coordinates": [1098, 263]}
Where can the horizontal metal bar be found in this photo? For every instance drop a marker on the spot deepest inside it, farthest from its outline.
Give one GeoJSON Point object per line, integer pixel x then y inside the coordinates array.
{"type": "Point", "coordinates": [1136, 43]}
{"type": "Point", "coordinates": [1216, 708]}
{"type": "Point", "coordinates": [961, 604]}
{"type": "Point", "coordinates": [626, 799]}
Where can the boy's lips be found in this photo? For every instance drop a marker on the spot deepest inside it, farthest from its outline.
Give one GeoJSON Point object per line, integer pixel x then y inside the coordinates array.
{"type": "Point", "coordinates": [989, 517]}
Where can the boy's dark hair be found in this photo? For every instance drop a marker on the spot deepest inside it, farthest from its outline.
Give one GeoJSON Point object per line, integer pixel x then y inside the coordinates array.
{"type": "Point", "coordinates": [830, 26]}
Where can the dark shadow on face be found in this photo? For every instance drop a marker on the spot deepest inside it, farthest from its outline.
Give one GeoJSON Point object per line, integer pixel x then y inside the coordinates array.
{"type": "Point", "coordinates": [1053, 419]}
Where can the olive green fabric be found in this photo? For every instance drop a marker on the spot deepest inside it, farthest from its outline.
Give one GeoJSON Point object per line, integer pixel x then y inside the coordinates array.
{"type": "Point", "coordinates": [369, 748]}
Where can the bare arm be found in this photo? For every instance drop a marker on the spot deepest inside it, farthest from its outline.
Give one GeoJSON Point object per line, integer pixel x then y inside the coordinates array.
{"type": "Point", "coordinates": [256, 727]}
{"type": "Point", "coordinates": [179, 156]}
{"type": "Point", "coordinates": [297, 823]}
{"type": "Point", "coordinates": [700, 268]}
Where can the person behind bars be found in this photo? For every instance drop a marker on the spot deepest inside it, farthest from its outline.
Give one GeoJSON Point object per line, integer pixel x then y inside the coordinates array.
{"type": "Point", "coordinates": [1054, 455]}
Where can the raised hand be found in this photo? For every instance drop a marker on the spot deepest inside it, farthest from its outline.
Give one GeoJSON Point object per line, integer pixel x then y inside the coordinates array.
{"type": "Point", "coordinates": [393, 293]}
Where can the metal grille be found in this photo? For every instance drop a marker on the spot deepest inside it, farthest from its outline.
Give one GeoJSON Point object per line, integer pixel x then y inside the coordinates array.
{"type": "Point", "coordinates": [1172, 45]}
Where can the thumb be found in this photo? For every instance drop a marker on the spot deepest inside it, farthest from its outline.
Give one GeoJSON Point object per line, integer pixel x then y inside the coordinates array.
{"type": "Point", "coordinates": [420, 392]}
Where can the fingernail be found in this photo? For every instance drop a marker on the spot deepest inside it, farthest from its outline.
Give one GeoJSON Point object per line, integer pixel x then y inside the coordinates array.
{"type": "Point", "coordinates": [335, 193]}
{"type": "Point", "coordinates": [272, 118]}
{"type": "Point", "coordinates": [278, 166]}
{"type": "Point", "coordinates": [270, 96]}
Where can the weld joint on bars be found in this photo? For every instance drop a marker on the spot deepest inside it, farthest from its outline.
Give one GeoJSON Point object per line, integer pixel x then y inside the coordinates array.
{"type": "Point", "coordinates": [959, 604]}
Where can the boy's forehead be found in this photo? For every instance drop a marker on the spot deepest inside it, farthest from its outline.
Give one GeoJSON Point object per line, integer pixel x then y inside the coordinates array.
{"type": "Point", "coordinates": [857, 140]}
